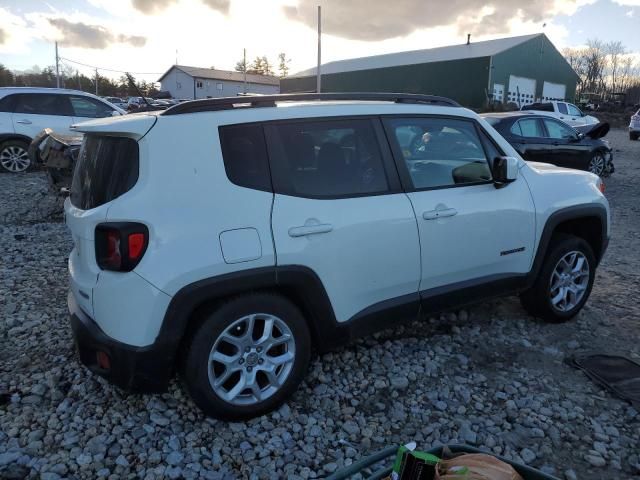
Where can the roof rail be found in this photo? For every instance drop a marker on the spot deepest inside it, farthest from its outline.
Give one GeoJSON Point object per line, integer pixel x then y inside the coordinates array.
{"type": "Point", "coordinates": [229, 103]}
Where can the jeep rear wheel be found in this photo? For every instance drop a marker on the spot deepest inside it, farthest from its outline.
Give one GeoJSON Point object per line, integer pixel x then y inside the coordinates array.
{"type": "Point", "coordinates": [565, 280]}
{"type": "Point", "coordinates": [247, 357]}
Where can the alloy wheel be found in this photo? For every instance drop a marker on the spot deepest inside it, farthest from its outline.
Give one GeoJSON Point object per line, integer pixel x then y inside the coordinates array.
{"type": "Point", "coordinates": [251, 359]}
{"type": "Point", "coordinates": [597, 164]}
{"type": "Point", "coordinates": [569, 281]}
{"type": "Point", "coordinates": [14, 158]}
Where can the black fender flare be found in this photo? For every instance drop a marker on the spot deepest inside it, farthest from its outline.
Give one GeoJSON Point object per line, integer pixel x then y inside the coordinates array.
{"type": "Point", "coordinates": [575, 212]}
{"type": "Point", "coordinates": [300, 284]}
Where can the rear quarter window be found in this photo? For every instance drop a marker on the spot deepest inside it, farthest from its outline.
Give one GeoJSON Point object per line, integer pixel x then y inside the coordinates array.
{"type": "Point", "coordinates": [107, 167]}
{"type": "Point", "coordinates": [244, 152]}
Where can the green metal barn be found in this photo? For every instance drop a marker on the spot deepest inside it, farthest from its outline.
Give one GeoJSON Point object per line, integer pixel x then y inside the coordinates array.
{"type": "Point", "coordinates": [520, 69]}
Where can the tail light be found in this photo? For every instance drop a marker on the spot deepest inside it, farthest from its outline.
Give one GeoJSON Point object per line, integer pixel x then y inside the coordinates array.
{"type": "Point", "coordinates": [601, 186]}
{"type": "Point", "coordinates": [120, 246]}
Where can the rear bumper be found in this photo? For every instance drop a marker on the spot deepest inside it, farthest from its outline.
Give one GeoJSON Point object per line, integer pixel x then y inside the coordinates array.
{"type": "Point", "coordinates": [135, 369]}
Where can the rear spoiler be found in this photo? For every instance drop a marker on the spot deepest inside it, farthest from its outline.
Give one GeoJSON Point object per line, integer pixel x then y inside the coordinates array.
{"type": "Point", "coordinates": [133, 125]}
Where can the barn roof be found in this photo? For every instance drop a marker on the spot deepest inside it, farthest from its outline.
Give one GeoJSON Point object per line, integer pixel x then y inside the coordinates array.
{"type": "Point", "coordinates": [486, 48]}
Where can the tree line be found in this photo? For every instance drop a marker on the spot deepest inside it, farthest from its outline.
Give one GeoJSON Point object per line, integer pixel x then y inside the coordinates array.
{"type": "Point", "coordinates": [262, 66]}
{"type": "Point", "coordinates": [606, 70]}
{"type": "Point", "coordinates": [70, 78]}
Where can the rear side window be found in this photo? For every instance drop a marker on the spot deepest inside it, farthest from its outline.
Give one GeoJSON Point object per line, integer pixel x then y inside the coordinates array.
{"type": "Point", "coordinates": [326, 159]}
{"type": "Point", "coordinates": [244, 153]}
{"type": "Point", "coordinates": [42, 104]}
{"type": "Point", "coordinates": [106, 168]}
{"type": "Point", "coordinates": [530, 128]}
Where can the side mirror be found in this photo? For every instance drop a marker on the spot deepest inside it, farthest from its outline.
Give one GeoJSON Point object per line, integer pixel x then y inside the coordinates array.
{"type": "Point", "coordinates": [505, 171]}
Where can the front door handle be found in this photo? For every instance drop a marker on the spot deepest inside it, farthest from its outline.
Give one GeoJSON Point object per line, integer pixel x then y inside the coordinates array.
{"type": "Point", "coordinates": [435, 214]}
{"type": "Point", "coordinates": [24, 122]}
{"type": "Point", "coordinates": [310, 230]}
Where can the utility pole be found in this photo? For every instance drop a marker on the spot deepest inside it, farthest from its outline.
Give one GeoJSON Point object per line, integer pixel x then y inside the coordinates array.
{"type": "Point", "coordinates": [96, 81]}
{"type": "Point", "coordinates": [57, 68]}
{"type": "Point", "coordinates": [244, 68]}
{"type": "Point", "coordinates": [318, 74]}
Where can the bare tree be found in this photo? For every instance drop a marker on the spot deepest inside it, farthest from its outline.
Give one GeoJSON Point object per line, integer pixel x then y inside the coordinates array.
{"type": "Point", "coordinates": [615, 52]}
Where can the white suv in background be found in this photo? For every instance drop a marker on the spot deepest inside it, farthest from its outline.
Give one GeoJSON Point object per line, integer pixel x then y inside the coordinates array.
{"type": "Point", "coordinates": [634, 126]}
{"type": "Point", "coordinates": [229, 238]}
{"type": "Point", "coordinates": [26, 111]}
{"type": "Point", "coordinates": [567, 112]}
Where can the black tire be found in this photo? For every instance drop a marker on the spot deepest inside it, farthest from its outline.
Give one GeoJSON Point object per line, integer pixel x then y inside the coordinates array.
{"type": "Point", "coordinates": [537, 300]}
{"type": "Point", "coordinates": [598, 163]}
{"type": "Point", "coordinates": [10, 146]}
{"type": "Point", "coordinates": [633, 136]}
{"type": "Point", "coordinates": [195, 362]}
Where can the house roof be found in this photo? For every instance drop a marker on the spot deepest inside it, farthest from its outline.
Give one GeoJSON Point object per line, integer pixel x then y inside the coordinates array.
{"type": "Point", "coordinates": [487, 48]}
{"type": "Point", "coordinates": [213, 74]}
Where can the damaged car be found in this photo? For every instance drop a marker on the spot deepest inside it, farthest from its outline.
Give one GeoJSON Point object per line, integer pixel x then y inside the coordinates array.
{"type": "Point", "coordinates": [57, 154]}
{"type": "Point", "coordinates": [539, 138]}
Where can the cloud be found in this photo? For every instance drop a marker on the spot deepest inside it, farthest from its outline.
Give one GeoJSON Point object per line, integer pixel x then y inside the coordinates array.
{"type": "Point", "coordinates": [150, 7]}
{"type": "Point", "coordinates": [220, 5]}
{"type": "Point", "coordinates": [82, 35]}
{"type": "Point", "coordinates": [383, 19]}
{"type": "Point", "coordinates": [3, 36]}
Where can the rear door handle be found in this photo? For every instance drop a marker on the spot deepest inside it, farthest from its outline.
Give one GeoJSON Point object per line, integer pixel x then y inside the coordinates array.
{"type": "Point", "coordinates": [435, 214]}
{"type": "Point", "coordinates": [310, 230]}
{"type": "Point", "coordinates": [24, 122]}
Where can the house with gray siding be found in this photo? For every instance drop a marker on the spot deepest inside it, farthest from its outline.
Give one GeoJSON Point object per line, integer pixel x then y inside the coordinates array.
{"type": "Point", "coordinates": [194, 83]}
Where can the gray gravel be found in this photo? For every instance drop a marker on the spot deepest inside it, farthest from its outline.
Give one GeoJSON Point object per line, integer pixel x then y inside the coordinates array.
{"type": "Point", "coordinates": [489, 377]}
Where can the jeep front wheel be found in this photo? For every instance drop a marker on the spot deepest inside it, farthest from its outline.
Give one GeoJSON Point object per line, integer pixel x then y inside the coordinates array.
{"type": "Point", "coordinates": [247, 357]}
{"type": "Point", "coordinates": [565, 280]}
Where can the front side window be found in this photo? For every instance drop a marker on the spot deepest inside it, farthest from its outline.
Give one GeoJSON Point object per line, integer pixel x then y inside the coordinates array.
{"type": "Point", "coordinates": [42, 104]}
{"type": "Point", "coordinates": [244, 153]}
{"type": "Point", "coordinates": [558, 130]}
{"type": "Point", "coordinates": [326, 159]}
{"type": "Point", "coordinates": [573, 110]}
{"type": "Point", "coordinates": [562, 108]}
{"type": "Point", "coordinates": [529, 128]}
{"type": "Point", "coordinates": [89, 107]}
{"type": "Point", "coordinates": [440, 152]}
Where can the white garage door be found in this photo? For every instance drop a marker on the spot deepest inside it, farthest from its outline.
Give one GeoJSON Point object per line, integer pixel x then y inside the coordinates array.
{"type": "Point", "coordinates": [553, 91]}
{"type": "Point", "coordinates": [522, 91]}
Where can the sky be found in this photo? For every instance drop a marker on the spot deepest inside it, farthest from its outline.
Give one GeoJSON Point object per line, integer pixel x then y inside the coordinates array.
{"type": "Point", "coordinates": [148, 36]}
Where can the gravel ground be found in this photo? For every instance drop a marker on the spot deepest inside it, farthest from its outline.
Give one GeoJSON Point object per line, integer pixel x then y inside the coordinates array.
{"type": "Point", "coordinates": [489, 377]}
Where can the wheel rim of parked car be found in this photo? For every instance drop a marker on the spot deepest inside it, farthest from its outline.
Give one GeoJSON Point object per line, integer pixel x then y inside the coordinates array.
{"type": "Point", "coordinates": [251, 359]}
{"type": "Point", "coordinates": [569, 281]}
{"type": "Point", "coordinates": [597, 164]}
{"type": "Point", "coordinates": [14, 158]}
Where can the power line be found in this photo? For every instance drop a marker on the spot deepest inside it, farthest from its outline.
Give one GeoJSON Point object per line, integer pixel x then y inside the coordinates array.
{"type": "Point", "coordinates": [110, 69]}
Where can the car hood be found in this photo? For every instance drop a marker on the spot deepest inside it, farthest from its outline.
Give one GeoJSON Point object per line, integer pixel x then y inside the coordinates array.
{"type": "Point", "coordinates": [546, 167]}
{"type": "Point", "coordinates": [591, 120]}
{"type": "Point", "coordinates": [595, 131]}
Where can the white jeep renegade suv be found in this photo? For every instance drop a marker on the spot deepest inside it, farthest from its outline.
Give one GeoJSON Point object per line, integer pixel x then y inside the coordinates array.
{"type": "Point", "coordinates": [228, 238]}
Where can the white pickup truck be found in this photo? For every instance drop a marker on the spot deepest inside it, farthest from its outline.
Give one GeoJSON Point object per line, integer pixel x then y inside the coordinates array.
{"type": "Point", "coordinates": [567, 112]}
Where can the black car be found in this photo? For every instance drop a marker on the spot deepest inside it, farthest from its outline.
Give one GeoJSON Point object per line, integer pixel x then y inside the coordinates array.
{"type": "Point", "coordinates": [538, 138]}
